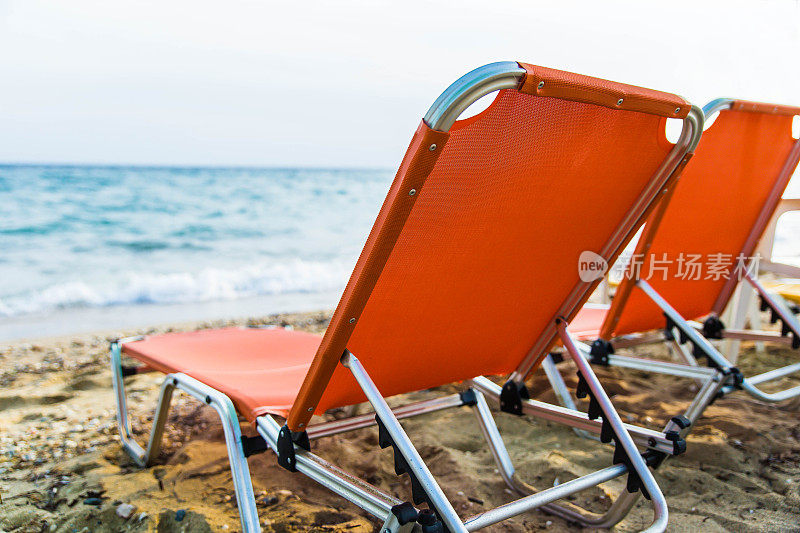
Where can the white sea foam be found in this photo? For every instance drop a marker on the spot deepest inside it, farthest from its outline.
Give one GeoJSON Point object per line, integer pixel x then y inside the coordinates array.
{"type": "Point", "coordinates": [209, 284]}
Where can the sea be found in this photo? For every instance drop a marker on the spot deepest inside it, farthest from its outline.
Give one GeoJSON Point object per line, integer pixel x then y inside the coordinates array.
{"type": "Point", "coordinates": [91, 248]}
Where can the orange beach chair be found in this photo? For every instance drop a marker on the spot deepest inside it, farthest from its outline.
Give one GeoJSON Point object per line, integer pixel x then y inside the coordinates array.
{"type": "Point", "coordinates": [717, 211]}
{"type": "Point", "coordinates": [469, 270]}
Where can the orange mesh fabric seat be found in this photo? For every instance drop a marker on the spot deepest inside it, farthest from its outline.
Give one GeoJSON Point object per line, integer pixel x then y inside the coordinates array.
{"type": "Point", "coordinates": [260, 370]}
{"type": "Point", "coordinates": [587, 323]}
{"type": "Point", "coordinates": [719, 209]}
{"type": "Point", "coordinates": [467, 238]}
{"type": "Point", "coordinates": [470, 269]}
{"type": "Point", "coordinates": [695, 249]}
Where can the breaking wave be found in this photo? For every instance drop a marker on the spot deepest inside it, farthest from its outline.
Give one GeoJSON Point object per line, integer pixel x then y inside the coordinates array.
{"type": "Point", "coordinates": [210, 284]}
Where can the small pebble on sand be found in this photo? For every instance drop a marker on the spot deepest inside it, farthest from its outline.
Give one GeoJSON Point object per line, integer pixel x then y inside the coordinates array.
{"type": "Point", "coordinates": [125, 510]}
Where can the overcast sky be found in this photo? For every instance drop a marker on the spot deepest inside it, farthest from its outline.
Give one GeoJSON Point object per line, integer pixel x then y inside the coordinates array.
{"type": "Point", "coordinates": [339, 83]}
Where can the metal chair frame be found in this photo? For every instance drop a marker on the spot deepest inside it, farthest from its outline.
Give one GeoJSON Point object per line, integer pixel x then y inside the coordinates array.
{"type": "Point", "coordinates": [720, 367]}
{"type": "Point", "coordinates": [444, 112]}
{"type": "Point", "coordinates": [377, 502]}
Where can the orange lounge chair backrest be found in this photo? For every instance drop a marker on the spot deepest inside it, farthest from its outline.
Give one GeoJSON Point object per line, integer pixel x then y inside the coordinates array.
{"type": "Point", "coordinates": [475, 250]}
{"type": "Point", "coordinates": [721, 205]}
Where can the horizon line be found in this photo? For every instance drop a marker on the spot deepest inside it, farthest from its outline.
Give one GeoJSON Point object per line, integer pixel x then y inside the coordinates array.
{"type": "Point", "coordinates": [193, 166]}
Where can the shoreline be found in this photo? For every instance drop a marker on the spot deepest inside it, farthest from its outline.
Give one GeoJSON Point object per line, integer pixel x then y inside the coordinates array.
{"type": "Point", "coordinates": [62, 467]}
{"type": "Point", "coordinates": [73, 321]}
{"type": "Point", "coordinates": [102, 320]}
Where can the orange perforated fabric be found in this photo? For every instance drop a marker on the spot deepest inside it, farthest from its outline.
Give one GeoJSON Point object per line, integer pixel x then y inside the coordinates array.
{"type": "Point", "coordinates": [418, 162]}
{"type": "Point", "coordinates": [490, 250]}
{"type": "Point", "coordinates": [586, 324]}
{"type": "Point", "coordinates": [759, 107]}
{"type": "Point", "coordinates": [260, 370]}
{"type": "Point", "coordinates": [726, 194]}
{"type": "Point", "coordinates": [545, 81]}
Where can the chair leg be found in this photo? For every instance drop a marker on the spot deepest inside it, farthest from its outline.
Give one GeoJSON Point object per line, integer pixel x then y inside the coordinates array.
{"type": "Point", "coordinates": [404, 446]}
{"type": "Point", "coordinates": [637, 462]}
{"type": "Point", "coordinates": [618, 511]}
{"type": "Point", "coordinates": [711, 381]}
{"type": "Point", "coordinates": [240, 472]}
{"type": "Point", "coordinates": [562, 392]}
{"type": "Point", "coordinates": [137, 453]}
{"type": "Point", "coordinates": [718, 361]}
{"type": "Point", "coordinates": [625, 501]}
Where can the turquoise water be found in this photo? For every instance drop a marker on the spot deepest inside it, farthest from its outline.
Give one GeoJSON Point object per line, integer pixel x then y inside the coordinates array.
{"type": "Point", "coordinates": [76, 237]}
{"type": "Point", "coordinates": [87, 248]}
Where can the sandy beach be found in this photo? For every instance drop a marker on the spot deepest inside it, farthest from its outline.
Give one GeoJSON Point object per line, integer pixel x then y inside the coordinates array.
{"type": "Point", "coordinates": [62, 467]}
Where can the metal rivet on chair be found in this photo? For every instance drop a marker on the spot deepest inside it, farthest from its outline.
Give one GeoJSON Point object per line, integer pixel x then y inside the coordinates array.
{"type": "Point", "coordinates": [432, 147]}
{"type": "Point", "coordinates": [541, 84]}
{"type": "Point", "coordinates": [412, 192]}
{"type": "Point", "coordinates": [353, 320]}
{"type": "Point", "coordinates": [619, 102]}
{"type": "Point", "coordinates": [310, 409]}
{"type": "Point", "coordinates": [677, 110]}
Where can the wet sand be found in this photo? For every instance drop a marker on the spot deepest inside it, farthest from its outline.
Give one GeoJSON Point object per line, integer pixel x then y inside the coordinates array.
{"type": "Point", "coordinates": [62, 467]}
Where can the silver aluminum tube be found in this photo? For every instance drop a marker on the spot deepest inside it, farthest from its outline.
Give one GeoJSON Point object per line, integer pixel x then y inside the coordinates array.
{"type": "Point", "coordinates": [494, 440]}
{"type": "Point", "coordinates": [687, 142]}
{"type": "Point", "coordinates": [684, 353]}
{"type": "Point", "coordinates": [544, 497]}
{"type": "Point", "coordinates": [653, 365]}
{"type": "Point", "coordinates": [662, 367]}
{"type": "Point", "coordinates": [393, 525]}
{"type": "Point", "coordinates": [788, 319]}
{"type": "Point", "coordinates": [233, 439]}
{"type": "Point", "coordinates": [770, 397]}
{"type": "Point", "coordinates": [559, 387]}
{"type": "Point", "coordinates": [621, 506]}
{"type": "Point", "coordinates": [681, 350]}
{"type": "Point", "coordinates": [469, 88]}
{"type": "Point", "coordinates": [618, 511]}
{"type": "Point", "coordinates": [755, 336]}
{"type": "Point", "coordinates": [137, 453]}
{"type": "Point", "coordinates": [240, 473]}
{"type": "Point", "coordinates": [561, 415]}
{"type": "Point", "coordinates": [368, 497]}
{"type": "Point", "coordinates": [715, 106]}
{"type": "Point", "coordinates": [774, 374]}
{"type": "Point", "coordinates": [660, 512]}
{"type": "Point", "coordinates": [562, 392]}
{"type": "Point", "coordinates": [404, 445]}
{"type": "Point", "coordinates": [366, 420]}
{"type": "Point", "coordinates": [704, 397]}
{"type": "Point", "coordinates": [142, 457]}
{"type": "Point", "coordinates": [160, 420]}
{"type": "Point", "coordinates": [677, 319]}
